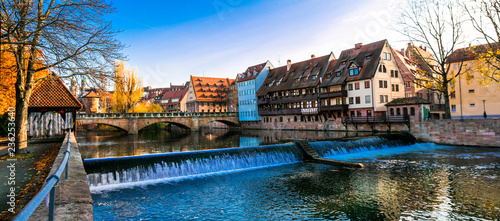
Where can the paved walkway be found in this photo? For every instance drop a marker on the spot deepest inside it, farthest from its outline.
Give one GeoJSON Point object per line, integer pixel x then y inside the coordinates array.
{"type": "Point", "coordinates": [23, 173]}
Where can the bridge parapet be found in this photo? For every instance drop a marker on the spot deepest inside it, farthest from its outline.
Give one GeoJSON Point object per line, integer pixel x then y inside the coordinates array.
{"type": "Point", "coordinates": [156, 115]}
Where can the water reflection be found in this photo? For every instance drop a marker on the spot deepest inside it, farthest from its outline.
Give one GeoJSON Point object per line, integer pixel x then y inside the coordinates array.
{"type": "Point", "coordinates": [115, 144]}
{"type": "Point", "coordinates": [449, 183]}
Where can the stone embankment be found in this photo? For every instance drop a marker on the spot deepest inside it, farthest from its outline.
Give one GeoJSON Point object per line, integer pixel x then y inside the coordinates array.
{"type": "Point", "coordinates": [470, 132]}
{"type": "Point", "coordinates": [73, 200]}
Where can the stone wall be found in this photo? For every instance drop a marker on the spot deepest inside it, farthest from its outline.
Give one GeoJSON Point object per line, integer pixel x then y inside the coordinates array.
{"type": "Point", "coordinates": [472, 132]}
{"type": "Point", "coordinates": [73, 199]}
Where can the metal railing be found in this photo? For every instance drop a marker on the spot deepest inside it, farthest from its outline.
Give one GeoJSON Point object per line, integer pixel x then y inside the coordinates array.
{"type": "Point", "coordinates": [49, 189]}
{"type": "Point", "coordinates": [377, 119]}
{"type": "Point", "coordinates": [157, 115]}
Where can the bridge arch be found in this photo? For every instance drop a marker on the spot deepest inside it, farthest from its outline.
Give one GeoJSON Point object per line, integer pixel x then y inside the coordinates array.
{"type": "Point", "coordinates": [226, 122]}
{"type": "Point", "coordinates": [182, 126]}
{"type": "Point", "coordinates": [119, 127]}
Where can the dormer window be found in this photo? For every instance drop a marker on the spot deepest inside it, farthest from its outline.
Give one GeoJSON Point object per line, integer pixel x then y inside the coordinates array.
{"type": "Point", "coordinates": [314, 77]}
{"type": "Point", "coordinates": [353, 71]}
{"type": "Point", "coordinates": [368, 57]}
{"type": "Point", "coordinates": [337, 74]}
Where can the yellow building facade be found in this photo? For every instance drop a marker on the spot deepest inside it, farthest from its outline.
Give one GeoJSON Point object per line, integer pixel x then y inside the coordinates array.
{"type": "Point", "coordinates": [468, 98]}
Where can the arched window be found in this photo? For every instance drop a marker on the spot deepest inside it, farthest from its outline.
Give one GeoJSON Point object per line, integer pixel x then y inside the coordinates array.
{"type": "Point", "coordinates": [405, 111]}
{"type": "Point", "coordinates": [380, 68]}
{"type": "Point", "coordinates": [412, 111]}
{"type": "Point", "coordinates": [392, 111]}
{"type": "Point", "coordinates": [398, 111]}
{"type": "Point", "coordinates": [385, 70]}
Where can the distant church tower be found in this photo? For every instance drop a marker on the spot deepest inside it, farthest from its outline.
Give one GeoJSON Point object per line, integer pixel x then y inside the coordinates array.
{"type": "Point", "coordinates": [74, 87]}
{"type": "Point", "coordinates": [84, 86]}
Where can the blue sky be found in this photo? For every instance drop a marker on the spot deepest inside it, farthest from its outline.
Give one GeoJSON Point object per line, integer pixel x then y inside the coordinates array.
{"type": "Point", "coordinates": [170, 40]}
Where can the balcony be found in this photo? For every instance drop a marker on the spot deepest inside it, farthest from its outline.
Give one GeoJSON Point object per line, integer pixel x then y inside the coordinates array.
{"type": "Point", "coordinates": [292, 99]}
{"type": "Point", "coordinates": [342, 93]}
{"type": "Point", "coordinates": [335, 108]}
{"type": "Point", "coordinates": [273, 112]}
{"type": "Point", "coordinates": [306, 111]}
{"type": "Point", "coordinates": [261, 101]}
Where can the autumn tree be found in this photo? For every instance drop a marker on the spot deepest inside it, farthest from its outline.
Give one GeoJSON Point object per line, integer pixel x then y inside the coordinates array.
{"type": "Point", "coordinates": [484, 16]}
{"type": "Point", "coordinates": [128, 88]}
{"type": "Point", "coordinates": [146, 107]}
{"type": "Point", "coordinates": [71, 36]}
{"type": "Point", "coordinates": [437, 26]}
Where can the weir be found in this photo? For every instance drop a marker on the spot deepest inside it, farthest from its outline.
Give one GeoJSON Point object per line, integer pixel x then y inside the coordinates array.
{"type": "Point", "coordinates": [116, 172]}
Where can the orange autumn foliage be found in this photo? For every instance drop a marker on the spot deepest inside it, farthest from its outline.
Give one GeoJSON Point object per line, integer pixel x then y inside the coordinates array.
{"type": "Point", "coordinates": [8, 78]}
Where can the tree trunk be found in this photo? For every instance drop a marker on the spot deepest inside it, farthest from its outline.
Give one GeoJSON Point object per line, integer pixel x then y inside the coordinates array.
{"type": "Point", "coordinates": [21, 120]}
{"type": "Point", "coordinates": [447, 112]}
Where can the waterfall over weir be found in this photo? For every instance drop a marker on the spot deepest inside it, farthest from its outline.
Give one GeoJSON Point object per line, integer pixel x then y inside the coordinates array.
{"type": "Point", "coordinates": [109, 173]}
{"type": "Point", "coordinates": [117, 172]}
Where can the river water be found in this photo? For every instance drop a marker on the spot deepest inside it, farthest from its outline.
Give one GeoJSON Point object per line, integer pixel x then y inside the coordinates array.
{"type": "Point", "coordinates": [400, 182]}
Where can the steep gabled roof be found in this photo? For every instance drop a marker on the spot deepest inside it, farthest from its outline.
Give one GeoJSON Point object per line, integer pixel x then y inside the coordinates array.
{"type": "Point", "coordinates": [252, 72]}
{"type": "Point", "coordinates": [304, 74]}
{"type": "Point", "coordinates": [179, 94]}
{"type": "Point", "coordinates": [405, 65]}
{"type": "Point", "coordinates": [91, 94]}
{"type": "Point", "coordinates": [210, 89]}
{"type": "Point", "coordinates": [52, 93]}
{"type": "Point", "coordinates": [366, 57]}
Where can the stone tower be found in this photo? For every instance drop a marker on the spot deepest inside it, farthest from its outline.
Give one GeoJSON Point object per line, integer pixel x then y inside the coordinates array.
{"type": "Point", "coordinates": [74, 87]}
{"type": "Point", "coordinates": [84, 86]}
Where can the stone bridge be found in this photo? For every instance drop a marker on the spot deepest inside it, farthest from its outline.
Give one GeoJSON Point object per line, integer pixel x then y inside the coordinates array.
{"type": "Point", "coordinates": [133, 122]}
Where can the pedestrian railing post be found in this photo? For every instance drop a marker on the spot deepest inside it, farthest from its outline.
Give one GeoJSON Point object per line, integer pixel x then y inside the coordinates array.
{"type": "Point", "coordinates": [51, 203]}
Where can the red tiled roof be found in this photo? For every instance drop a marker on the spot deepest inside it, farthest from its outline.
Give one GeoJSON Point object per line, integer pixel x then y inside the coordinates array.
{"type": "Point", "coordinates": [210, 89]}
{"type": "Point", "coordinates": [469, 53]}
{"type": "Point", "coordinates": [91, 94]}
{"type": "Point", "coordinates": [405, 67]}
{"type": "Point", "coordinates": [52, 93]}
{"type": "Point", "coordinates": [173, 95]}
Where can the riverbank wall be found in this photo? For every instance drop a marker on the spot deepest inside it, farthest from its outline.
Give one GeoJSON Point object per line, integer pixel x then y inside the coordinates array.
{"type": "Point", "coordinates": [73, 199]}
{"type": "Point", "coordinates": [470, 132]}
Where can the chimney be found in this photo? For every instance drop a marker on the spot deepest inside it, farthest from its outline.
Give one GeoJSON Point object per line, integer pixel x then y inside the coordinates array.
{"type": "Point", "coordinates": [358, 45]}
{"type": "Point", "coordinates": [403, 51]}
{"type": "Point", "coordinates": [313, 56]}
{"type": "Point", "coordinates": [288, 64]}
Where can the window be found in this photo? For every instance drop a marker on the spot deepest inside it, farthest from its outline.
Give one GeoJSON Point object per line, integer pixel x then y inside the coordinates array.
{"type": "Point", "coordinates": [455, 66]}
{"type": "Point", "coordinates": [452, 95]}
{"type": "Point", "coordinates": [352, 114]}
{"type": "Point", "coordinates": [350, 87]}
{"type": "Point", "coordinates": [384, 70]}
{"type": "Point", "coordinates": [356, 85]}
{"type": "Point", "coordinates": [392, 73]}
{"type": "Point", "coordinates": [471, 91]}
{"type": "Point", "coordinates": [367, 84]}
{"type": "Point", "coordinates": [388, 56]}
{"type": "Point", "coordinates": [453, 108]}
{"type": "Point", "coordinates": [396, 74]}
{"type": "Point", "coordinates": [412, 111]}
{"type": "Point", "coordinates": [337, 74]}
{"type": "Point", "coordinates": [368, 57]}
{"type": "Point", "coordinates": [353, 72]}
{"type": "Point", "coordinates": [408, 84]}
{"type": "Point", "coordinates": [314, 77]}
{"type": "Point", "coordinates": [358, 100]}
{"type": "Point", "coordinates": [368, 99]}
{"type": "Point", "coordinates": [395, 87]}
{"type": "Point", "coordinates": [391, 111]}
{"type": "Point", "coordinates": [385, 84]}
{"type": "Point", "coordinates": [358, 113]}
{"type": "Point", "coordinates": [385, 56]}
{"type": "Point", "coordinates": [351, 100]}
{"type": "Point", "coordinates": [384, 98]}
{"type": "Point", "coordinates": [472, 105]}
{"type": "Point", "coordinates": [369, 113]}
